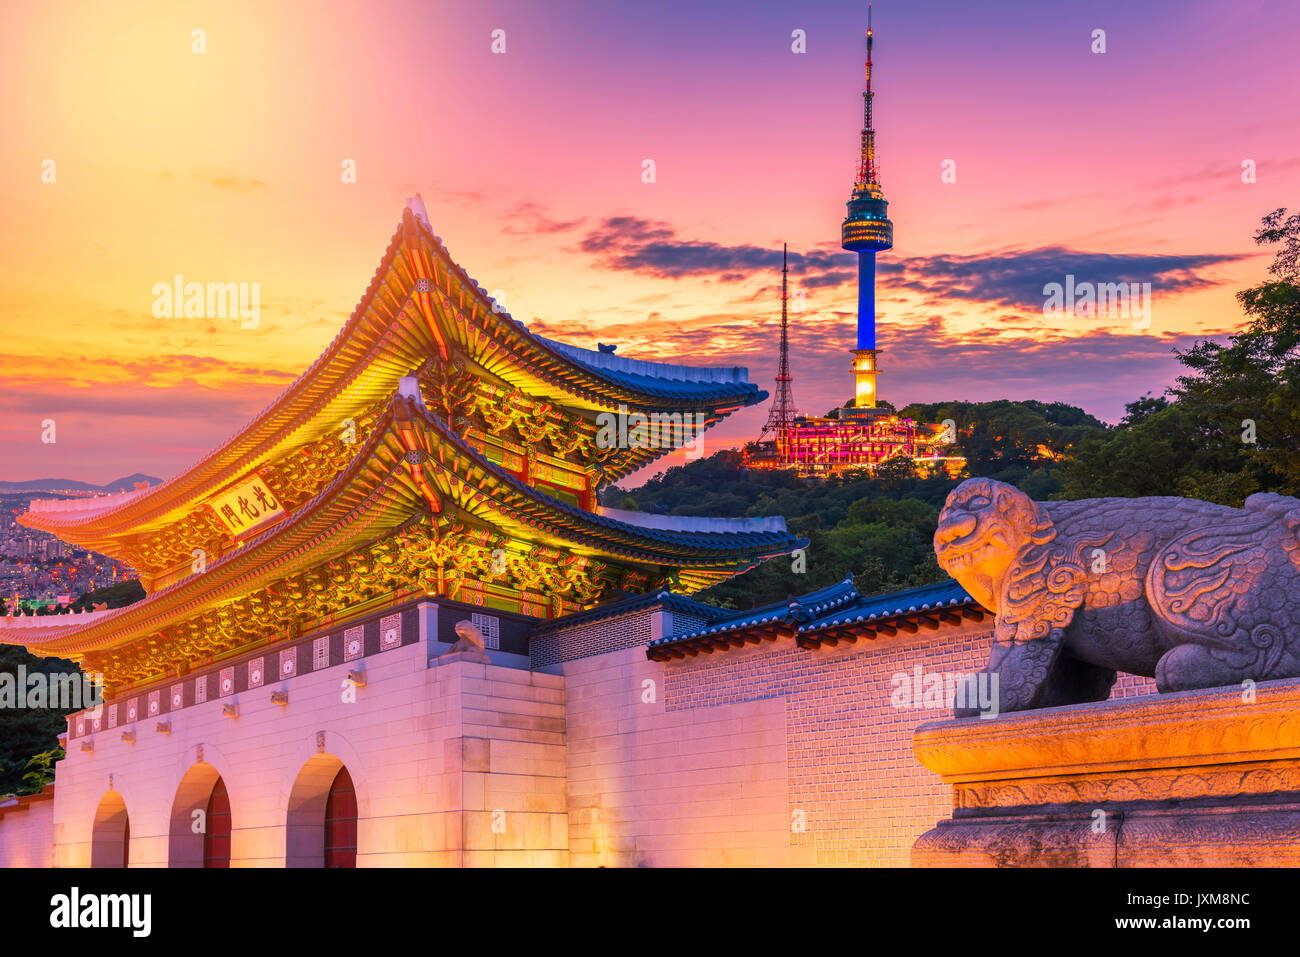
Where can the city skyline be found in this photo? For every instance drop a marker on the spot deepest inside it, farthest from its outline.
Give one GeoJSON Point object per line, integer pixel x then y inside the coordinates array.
{"type": "Point", "coordinates": [1122, 165]}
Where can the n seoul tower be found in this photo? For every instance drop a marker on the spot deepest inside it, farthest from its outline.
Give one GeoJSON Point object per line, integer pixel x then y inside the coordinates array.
{"type": "Point", "coordinates": [866, 231]}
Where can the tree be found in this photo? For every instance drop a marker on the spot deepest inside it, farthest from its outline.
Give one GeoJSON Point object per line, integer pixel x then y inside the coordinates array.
{"type": "Point", "coordinates": [1162, 453]}
{"type": "Point", "coordinates": [1011, 440]}
{"type": "Point", "coordinates": [1247, 394]}
{"type": "Point", "coordinates": [25, 732]}
{"type": "Point", "coordinates": [1233, 427]}
{"type": "Point", "coordinates": [1140, 409]}
{"type": "Point", "coordinates": [40, 770]}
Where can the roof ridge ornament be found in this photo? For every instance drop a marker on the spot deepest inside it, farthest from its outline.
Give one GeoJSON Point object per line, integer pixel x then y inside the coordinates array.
{"type": "Point", "coordinates": [408, 387]}
{"type": "Point", "coordinates": [416, 205]}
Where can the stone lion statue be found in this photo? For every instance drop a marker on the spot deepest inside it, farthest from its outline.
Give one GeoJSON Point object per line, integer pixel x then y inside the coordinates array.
{"type": "Point", "coordinates": [469, 636]}
{"type": "Point", "coordinates": [1193, 594]}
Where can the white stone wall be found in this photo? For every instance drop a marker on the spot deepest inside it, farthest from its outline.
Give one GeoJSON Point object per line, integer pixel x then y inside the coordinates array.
{"type": "Point", "coordinates": [766, 755]}
{"type": "Point", "coordinates": [27, 836]}
{"type": "Point", "coordinates": [434, 753]}
{"type": "Point", "coordinates": [615, 760]}
{"type": "Point", "coordinates": [652, 787]}
{"type": "Point", "coordinates": [502, 736]}
{"type": "Point", "coordinates": [380, 738]}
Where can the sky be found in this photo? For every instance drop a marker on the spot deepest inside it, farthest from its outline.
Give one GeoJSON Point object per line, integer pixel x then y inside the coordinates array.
{"type": "Point", "coordinates": [131, 155]}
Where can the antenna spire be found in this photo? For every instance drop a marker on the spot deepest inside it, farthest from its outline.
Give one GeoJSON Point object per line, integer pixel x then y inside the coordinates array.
{"type": "Point", "coordinates": [868, 174]}
{"type": "Point", "coordinates": [781, 417]}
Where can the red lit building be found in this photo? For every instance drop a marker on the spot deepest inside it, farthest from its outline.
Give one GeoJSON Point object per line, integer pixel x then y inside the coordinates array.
{"type": "Point", "coordinates": [853, 440]}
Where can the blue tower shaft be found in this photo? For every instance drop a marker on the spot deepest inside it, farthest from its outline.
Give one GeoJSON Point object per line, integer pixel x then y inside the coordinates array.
{"type": "Point", "coordinates": [866, 299]}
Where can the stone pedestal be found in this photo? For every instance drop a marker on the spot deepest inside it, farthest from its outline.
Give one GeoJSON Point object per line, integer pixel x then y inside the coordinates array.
{"type": "Point", "coordinates": [1198, 778]}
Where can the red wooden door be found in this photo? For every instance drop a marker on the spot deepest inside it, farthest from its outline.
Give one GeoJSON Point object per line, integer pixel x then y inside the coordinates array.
{"type": "Point", "coordinates": [341, 822]}
{"type": "Point", "coordinates": [216, 839]}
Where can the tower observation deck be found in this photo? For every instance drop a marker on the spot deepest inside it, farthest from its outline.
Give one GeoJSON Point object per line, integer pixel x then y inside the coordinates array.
{"type": "Point", "coordinates": [866, 231]}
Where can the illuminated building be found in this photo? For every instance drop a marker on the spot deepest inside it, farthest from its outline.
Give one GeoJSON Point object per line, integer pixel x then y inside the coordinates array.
{"type": "Point", "coordinates": [862, 438]}
{"type": "Point", "coordinates": [328, 590]}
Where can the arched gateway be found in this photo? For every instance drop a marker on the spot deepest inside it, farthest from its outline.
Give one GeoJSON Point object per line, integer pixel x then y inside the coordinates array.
{"type": "Point", "coordinates": [321, 823]}
{"type": "Point", "coordinates": [199, 832]}
{"type": "Point", "coordinates": [110, 839]}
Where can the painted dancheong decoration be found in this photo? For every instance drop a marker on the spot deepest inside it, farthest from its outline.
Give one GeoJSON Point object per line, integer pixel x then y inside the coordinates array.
{"type": "Point", "coordinates": [1193, 594]}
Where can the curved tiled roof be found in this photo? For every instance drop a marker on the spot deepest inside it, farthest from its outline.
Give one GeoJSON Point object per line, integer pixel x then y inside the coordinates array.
{"type": "Point", "coordinates": [372, 495]}
{"type": "Point", "coordinates": [694, 523]}
{"type": "Point", "coordinates": [926, 598]}
{"type": "Point", "coordinates": [791, 612]}
{"type": "Point", "coordinates": [382, 334]}
{"type": "Point", "coordinates": [827, 615]}
{"type": "Point", "coordinates": [765, 539]}
{"type": "Point", "coordinates": [345, 512]}
{"type": "Point", "coordinates": [660, 378]}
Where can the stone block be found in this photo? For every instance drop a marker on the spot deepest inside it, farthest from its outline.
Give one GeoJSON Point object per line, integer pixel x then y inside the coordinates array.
{"type": "Point", "coordinates": [1198, 778]}
{"type": "Point", "coordinates": [476, 754]}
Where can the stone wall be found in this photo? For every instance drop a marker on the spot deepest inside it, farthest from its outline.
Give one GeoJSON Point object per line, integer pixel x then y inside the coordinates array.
{"type": "Point", "coordinates": [1204, 778]}
{"type": "Point", "coordinates": [765, 755]}
{"type": "Point", "coordinates": [454, 762]}
{"type": "Point", "coordinates": [770, 754]}
{"type": "Point", "coordinates": [653, 787]}
{"type": "Point", "coordinates": [27, 832]}
{"type": "Point", "coordinates": [500, 732]}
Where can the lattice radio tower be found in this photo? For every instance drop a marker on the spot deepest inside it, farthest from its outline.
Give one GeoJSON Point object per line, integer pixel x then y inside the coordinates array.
{"type": "Point", "coordinates": [781, 417]}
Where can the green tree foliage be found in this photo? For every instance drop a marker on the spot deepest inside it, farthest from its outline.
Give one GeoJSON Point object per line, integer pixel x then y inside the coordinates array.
{"type": "Point", "coordinates": [1253, 383]}
{"type": "Point", "coordinates": [27, 734]}
{"type": "Point", "coordinates": [40, 770]}
{"type": "Point", "coordinates": [886, 543]}
{"type": "Point", "coordinates": [1198, 445]}
{"type": "Point", "coordinates": [1164, 452]}
{"type": "Point", "coordinates": [1006, 439]}
{"type": "Point", "coordinates": [113, 596]}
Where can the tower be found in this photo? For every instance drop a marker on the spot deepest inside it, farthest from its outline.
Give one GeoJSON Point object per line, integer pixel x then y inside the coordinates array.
{"type": "Point", "coordinates": [867, 230]}
{"type": "Point", "coordinates": [781, 416]}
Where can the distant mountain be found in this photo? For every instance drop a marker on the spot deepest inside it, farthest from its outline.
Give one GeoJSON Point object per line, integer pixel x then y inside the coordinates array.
{"type": "Point", "coordinates": [61, 485]}
{"type": "Point", "coordinates": [128, 484]}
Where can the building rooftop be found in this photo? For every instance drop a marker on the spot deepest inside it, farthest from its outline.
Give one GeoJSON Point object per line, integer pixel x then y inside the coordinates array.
{"type": "Point", "coordinates": [824, 616]}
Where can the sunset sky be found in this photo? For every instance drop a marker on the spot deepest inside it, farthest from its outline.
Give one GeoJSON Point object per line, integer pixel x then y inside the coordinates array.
{"type": "Point", "coordinates": [226, 166]}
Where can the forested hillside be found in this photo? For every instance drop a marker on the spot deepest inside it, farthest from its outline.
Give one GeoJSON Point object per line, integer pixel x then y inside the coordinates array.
{"type": "Point", "coordinates": [879, 528]}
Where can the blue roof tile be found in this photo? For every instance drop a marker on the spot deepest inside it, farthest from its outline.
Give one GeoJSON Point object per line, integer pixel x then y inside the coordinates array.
{"type": "Point", "coordinates": [794, 610]}
{"type": "Point", "coordinates": [838, 605]}
{"type": "Point", "coordinates": [925, 598]}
